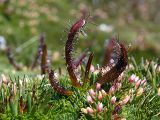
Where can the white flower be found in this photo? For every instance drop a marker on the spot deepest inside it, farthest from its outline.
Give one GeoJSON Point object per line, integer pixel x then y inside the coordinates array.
{"type": "Point", "coordinates": [136, 79]}
{"type": "Point", "coordinates": [89, 99]}
{"type": "Point", "coordinates": [2, 43]}
{"type": "Point", "coordinates": [103, 93]}
{"type": "Point", "coordinates": [98, 86]}
{"type": "Point", "coordinates": [99, 107]}
{"type": "Point", "coordinates": [105, 28]}
{"type": "Point", "coordinates": [4, 79]}
{"type": "Point", "coordinates": [40, 77]}
{"type": "Point", "coordinates": [158, 91]}
{"type": "Point", "coordinates": [84, 110]}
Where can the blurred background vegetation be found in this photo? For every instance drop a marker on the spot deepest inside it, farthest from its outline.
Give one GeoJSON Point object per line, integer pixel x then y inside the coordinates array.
{"type": "Point", "coordinates": [135, 22]}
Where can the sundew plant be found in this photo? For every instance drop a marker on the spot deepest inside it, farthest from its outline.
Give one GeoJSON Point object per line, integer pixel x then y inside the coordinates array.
{"type": "Point", "coordinates": [119, 88]}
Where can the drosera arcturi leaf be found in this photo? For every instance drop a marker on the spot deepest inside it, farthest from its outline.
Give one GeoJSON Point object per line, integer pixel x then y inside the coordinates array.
{"type": "Point", "coordinates": [87, 70]}
{"type": "Point", "coordinates": [108, 51]}
{"type": "Point", "coordinates": [39, 51]}
{"type": "Point", "coordinates": [69, 49]}
{"type": "Point", "coordinates": [116, 70]}
{"type": "Point", "coordinates": [80, 59]}
{"type": "Point", "coordinates": [44, 57]}
{"type": "Point", "coordinates": [11, 59]}
{"type": "Point", "coordinates": [56, 86]}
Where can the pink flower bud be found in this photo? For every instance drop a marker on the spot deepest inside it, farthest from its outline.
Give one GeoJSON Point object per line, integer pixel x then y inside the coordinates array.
{"type": "Point", "coordinates": [118, 86]}
{"type": "Point", "coordinates": [90, 110]}
{"type": "Point", "coordinates": [98, 86]}
{"type": "Point", "coordinates": [92, 93]}
{"type": "Point", "coordinates": [112, 90]}
{"type": "Point", "coordinates": [120, 77]}
{"type": "Point", "coordinates": [100, 96]}
{"type": "Point", "coordinates": [103, 93]}
{"type": "Point", "coordinates": [136, 79]}
{"type": "Point", "coordinates": [137, 83]}
{"type": "Point", "coordinates": [14, 88]}
{"type": "Point", "coordinates": [159, 91]}
{"type": "Point", "coordinates": [125, 100]}
{"type": "Point", "coordinates": [89, 99]}
{"type": "Point", "coordinates": [140, 91]}
{"type": "Point", "coordinates": [113, 100]}
{"type": "Point", "coordinates": [131, 91]}
{"type": "Point", "coordinates": [143, 82]}
{"type": "Point", "coordinates": [99, 107]}
{"type": "Point", "coordinates": [83, 110]}
{"type": "Point", "coordinates": [4, 79]}
{"type": "Point", "coordinates": [132, 78]}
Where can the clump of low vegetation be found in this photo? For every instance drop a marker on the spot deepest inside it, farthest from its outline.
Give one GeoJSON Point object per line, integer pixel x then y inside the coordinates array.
{"type": "Point", "coordinates": [119, 88]}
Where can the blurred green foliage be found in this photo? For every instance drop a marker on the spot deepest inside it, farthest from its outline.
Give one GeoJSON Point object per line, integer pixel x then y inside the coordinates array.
{"type": "Point", "coordinates": [135, 22]}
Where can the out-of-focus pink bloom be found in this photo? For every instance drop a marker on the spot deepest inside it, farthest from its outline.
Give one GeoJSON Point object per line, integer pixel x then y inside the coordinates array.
{"type": "Point", "coordinates": [89, 99]}
{"type": "Point", "coordinates": [112, 90]}
{"type": "Point", "coordinates": [99, 107]}
{"type": "Point", "coordinates": [92, 93]}
{"type": "Point", "coordinates": [98, 86]}
{"type": "Point", "coordinates": [140, 91]}
{"type": "Point", "coordinates": [125, 100]}
{"type": "Point", "coordinates": [83, 110]}
{"type": "Point", "coordinates": [100, 97]}
{"type": "Point", "coordinates": [92, 69]}
{"type": "Point", "coordinates": [132, 78]}
{"type": "Point", "coordinates": [89, 110]}
{"type": "Point", "coordinates": [113, 100]}
{"type": "Point", "coordinates": [103, 93]}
